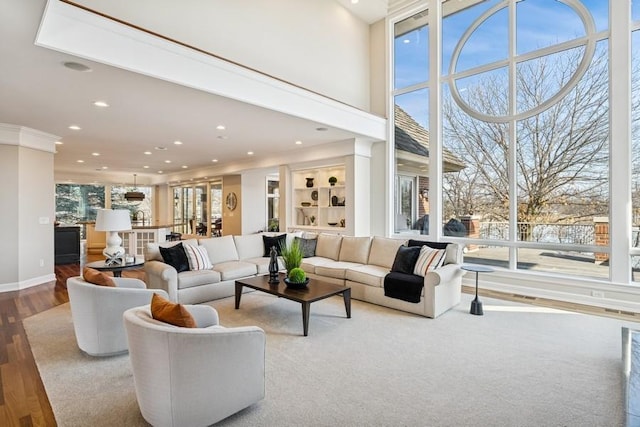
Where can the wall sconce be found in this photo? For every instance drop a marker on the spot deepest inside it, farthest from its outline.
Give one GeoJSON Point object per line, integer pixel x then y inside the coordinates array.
{"type": "Point", "coordinates": [424, 194]}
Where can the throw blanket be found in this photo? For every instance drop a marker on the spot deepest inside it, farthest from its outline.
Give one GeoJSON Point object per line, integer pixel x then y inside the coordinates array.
{"type": "Point", "coordinates": [407, 287]}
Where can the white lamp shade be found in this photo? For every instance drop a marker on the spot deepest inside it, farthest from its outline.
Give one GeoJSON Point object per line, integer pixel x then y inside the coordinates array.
{"type": "Point", "coordinates": [113, 220]}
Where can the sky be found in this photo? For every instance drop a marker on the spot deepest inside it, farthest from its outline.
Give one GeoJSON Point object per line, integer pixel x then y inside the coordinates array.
{"type": "Point", "coordinates": [537, 27]}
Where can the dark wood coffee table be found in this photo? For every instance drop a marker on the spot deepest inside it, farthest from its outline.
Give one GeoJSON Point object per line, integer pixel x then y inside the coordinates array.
{"type": "Point", "coordinates": [316, 290]}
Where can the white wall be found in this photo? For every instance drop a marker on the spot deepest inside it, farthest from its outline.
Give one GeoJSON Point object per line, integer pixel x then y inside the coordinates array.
{"type": "Point", "coordinates": [378, 81]}
{"type": "Point", "coordinates": [28, 207]}
{"type": "Point", "coordinates": [254, 200]}
{"type": "Point", "coordinates": [316, 44]}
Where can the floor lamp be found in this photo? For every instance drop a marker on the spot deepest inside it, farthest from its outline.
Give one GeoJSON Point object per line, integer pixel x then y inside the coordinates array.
{"type": "Point", "coordinates": [112, 221]}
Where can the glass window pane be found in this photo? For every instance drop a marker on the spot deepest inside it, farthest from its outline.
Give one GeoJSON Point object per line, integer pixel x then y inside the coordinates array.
{"type": "Point", "coordinates": [538, 24]}
{"type": "Point", "coordinates": [486, 93]}
{"type": "Point", "coordinates": [497, 256]}
{"type": "Point", "coordinates": [412, 162]}
{"type": "Point", "coordinates": [540, 79]}
{"type": "Point", "coordinates": [488, 43]}
{"type": "Point", "coordinates": [563, 159]}
{"type": "Point", "coordinates": [141, 212]}
{"type": "Point", "coordinates": [475, 179]}
{"type": "Point", "coordinates": [635, 10]}
{"type": "Point", "coordinates": [76, 202]}
{"type": "Point", "coordinates": [455, 24]}
{"type": "Point", "coordinates": [411, 51]}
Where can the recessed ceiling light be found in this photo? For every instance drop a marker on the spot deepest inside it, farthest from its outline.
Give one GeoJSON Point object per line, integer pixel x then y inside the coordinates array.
{"type": "Point", "coordinates": [354, 1]}
{"type": "Point", "coordinates": [159, 171]}
{"type": "Point", "coordinates": [76, 66]}
{"type": "Point", "coordinates": [80, 161]}
{"type": "Point", "coordinates": [250, 153]}
{"type": "Point", "coordinates": [59, 142]}
{"type": "Point", "coordinates": [220, 127]}
{"type": "Point", "coordinates": [215, 160]}
{"type": "Point", "coordinates": [148, 153]}
{"type": "Point", "coordinates": [75, 127]}
{"type": "Point", "coordinates": [177, 142]}
{"type": "Point", "coordinates": [161, 148]}
{"type": "Point", "coordinates": [322, 129]}
{"type": "Point", "coordinates": [95, 154]}
{"type": "Point", "coordinates": [298, 142]}
{"type": "Point", "coordinates": [105, 167]}
{"type": "Point", "coordinates": [167, 161]}
{"type": "Point", "coordinates": [100, 104]}
{"type": "Point", "coordinates": [184, 166]}
{"type": "Point", "coordinates": [146, 167]}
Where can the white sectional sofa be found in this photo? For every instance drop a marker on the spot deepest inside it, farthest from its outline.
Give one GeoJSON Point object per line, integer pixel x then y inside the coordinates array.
{"type": "Point", "coordinates": [359, 262]}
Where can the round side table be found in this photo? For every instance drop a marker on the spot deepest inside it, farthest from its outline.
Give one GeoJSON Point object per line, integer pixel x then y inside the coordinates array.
{"type": "Point", "coordinates": [116, 269]}
{"type": "Point", "coordinates": [476, 304]}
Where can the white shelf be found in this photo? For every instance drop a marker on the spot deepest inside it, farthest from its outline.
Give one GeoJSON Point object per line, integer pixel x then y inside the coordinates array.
{"type": "Point", "coordinates": [323, 212]}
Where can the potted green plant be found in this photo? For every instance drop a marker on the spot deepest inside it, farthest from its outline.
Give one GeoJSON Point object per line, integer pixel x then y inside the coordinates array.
{"type": "Point", "coordinates": [333, 180]}
{"type": "Point", "coordinates": [312, 218]}
{"type": "Point", "coordinates": [297, 278]}
{"type": "Point", "coordinates": [291, 255]}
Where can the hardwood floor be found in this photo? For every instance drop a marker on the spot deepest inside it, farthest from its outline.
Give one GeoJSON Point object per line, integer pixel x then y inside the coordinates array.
{"type": "Point", "coordinates": [23, 400]}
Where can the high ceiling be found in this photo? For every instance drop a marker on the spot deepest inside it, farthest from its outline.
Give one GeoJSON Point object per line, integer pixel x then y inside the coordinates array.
{"type": "Point", "coordinates": [39, 92]}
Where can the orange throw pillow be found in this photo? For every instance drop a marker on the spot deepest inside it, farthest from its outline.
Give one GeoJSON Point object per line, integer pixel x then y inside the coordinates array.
{"type": "Point", "coordinates": [169, 312]}
{"type": "Point", "coordinates": [97, 277]}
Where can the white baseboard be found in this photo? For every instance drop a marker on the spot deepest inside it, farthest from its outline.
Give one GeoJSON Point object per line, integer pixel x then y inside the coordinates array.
{"type": "Point", "coordinates": [24, 284]}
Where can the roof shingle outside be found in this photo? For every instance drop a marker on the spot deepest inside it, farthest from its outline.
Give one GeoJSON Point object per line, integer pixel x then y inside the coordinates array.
{"type": "Point", "coordinates": [413, 138]}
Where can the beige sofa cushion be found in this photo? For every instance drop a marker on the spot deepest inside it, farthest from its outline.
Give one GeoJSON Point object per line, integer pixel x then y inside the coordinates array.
{"type": "Point", "coordinates": [153, 249]}
{"type": "Point", "coordinates": [249, 246]}
{"type": "Point", "coordinates": [189, 279]}
{"type": "Point", "coordinates": [383, 251]}
{"type": "Point", "coordinates": [372, 275]}
{"type": "Point", "coordinates": [310, 264]}
{"type": "Point", "coordinates": [329, 246]}
{"type": "Point", "coordinates": [336, 269]}
{"type": "Point", "coordinates": [220, 249]}
{"type": "Point", "coordinates": [453, 254]}
{"type": "Point", "coordinates": [355, 249]}
{"type": "Point", "coordinates": [235, 269]}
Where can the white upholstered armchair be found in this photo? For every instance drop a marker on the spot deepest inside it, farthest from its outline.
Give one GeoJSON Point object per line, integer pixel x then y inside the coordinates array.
{"type": "Point", "coordinates": [97, 312]}
{"type": "Point", "coordinates": [194, 376]}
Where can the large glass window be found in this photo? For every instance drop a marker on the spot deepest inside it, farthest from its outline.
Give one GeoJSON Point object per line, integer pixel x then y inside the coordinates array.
{"type": "Point", "coordinates": [76, 202]}
{"type": "Point", "coordinates": [525, 133]}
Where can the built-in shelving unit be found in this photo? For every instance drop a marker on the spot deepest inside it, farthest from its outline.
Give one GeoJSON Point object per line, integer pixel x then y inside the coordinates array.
{"type": "Point", "coordinates": [317, 204]}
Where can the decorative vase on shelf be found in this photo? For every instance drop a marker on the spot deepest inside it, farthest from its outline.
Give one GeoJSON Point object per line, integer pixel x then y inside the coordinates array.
{"type": "Point", "coordinates": [309, 182]}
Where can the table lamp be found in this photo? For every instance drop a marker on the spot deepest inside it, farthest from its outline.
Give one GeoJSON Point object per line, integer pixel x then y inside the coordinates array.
{"type": "Point", "coordinates": [112, 221]}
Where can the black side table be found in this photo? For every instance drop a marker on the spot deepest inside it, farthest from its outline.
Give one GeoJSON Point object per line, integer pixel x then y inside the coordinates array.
{"type": "Point", "coordinates": [476, 304]}
{"type": "Point", "coordinates": [116, 269]}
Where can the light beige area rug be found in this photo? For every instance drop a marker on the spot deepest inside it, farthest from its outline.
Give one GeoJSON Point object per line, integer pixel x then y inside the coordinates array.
{"type": "Point", "coordinates": [517, 365]}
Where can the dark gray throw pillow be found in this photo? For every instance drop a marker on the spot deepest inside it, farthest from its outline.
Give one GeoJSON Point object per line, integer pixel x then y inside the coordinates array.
{"type": "Point", "coordinates": [307, 246]}
{"type": "Point", "coordinates": [434, 245]}
{"type": "Point", "coordinates": [176, 257]}
{"type": "Point", "coordinates": [406, 258]}
{"type": "Point", "coordinates": [277, 241]}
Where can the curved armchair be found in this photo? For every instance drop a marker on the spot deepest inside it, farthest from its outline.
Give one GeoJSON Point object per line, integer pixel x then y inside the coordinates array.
{"type": "Point", "coordinates": [97, 312]}
{"type": "Point", "coordinates": [194, 376]}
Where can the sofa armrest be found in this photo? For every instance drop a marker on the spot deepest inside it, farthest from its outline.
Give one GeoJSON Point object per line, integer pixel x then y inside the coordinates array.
{"type": "Point", "coordinates": [162, 276]}
{"type": "Point", "coordinates": [446, 273]}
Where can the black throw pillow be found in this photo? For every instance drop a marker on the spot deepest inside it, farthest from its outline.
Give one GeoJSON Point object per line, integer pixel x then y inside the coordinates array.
{"type": "Point", "coordinates": [277, 241]}
{"type": "Point", "coordinates": [307, 246]}
{"type": "Point", "coordinates": [176, 257]}
{"type": "Point", "coordinates": [406, 258]}
{"type": "Point", "coordinates": [434, 245]}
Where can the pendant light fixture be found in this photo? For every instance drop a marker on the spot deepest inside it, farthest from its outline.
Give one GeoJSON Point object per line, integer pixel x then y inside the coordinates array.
{"type": "Point", "coordinates": [134, 196]}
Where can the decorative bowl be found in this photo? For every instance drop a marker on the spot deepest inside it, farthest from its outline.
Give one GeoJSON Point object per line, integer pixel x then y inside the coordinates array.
{"type": "Point", "coordinates": [333, 224]}
{"type": "Point", "coordinates": [306, 204]}
{"type": "Point", "coordinates": [296, 285]}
